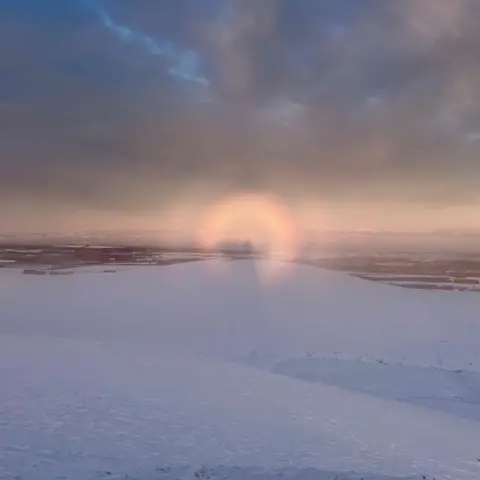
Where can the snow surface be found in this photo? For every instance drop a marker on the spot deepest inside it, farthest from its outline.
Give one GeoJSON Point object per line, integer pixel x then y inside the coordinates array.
{"type": "Point", "coordinates": [128, 373]}
{"type": "Point", "coordinates": [455, 392]}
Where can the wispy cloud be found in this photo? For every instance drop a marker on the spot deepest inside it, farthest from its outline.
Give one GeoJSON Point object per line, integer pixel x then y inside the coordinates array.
{"type": "Point", "coordinates": [184, 64]}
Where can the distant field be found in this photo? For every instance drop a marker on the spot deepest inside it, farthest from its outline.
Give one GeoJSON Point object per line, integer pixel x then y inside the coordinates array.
{"type": "Point", "coordinates": [420, 271]}
{"type": "Point", "coordinates": [424, 272]}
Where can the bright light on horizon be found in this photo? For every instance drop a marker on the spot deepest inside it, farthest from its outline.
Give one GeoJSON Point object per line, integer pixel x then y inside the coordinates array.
{"type": "Point", "coordinates": [261, 220]}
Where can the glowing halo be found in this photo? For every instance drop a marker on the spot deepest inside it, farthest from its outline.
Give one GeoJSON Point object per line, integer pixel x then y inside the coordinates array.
{"type": "Point", "coordinates": [259, 219]}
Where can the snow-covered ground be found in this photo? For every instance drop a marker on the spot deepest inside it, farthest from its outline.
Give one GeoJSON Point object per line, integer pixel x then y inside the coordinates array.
{"type": "Point", "coordinates": [455, 392]}
{"type": "Point", "coordinates": [131, 374]}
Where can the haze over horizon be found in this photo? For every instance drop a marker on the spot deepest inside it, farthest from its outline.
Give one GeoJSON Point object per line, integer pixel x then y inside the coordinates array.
{"type": "Point", "coordinates": [141, 114]}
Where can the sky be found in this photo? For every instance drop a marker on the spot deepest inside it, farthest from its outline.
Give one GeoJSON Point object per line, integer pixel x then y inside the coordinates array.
{"type": "Point", "coordinates": [362, 111]}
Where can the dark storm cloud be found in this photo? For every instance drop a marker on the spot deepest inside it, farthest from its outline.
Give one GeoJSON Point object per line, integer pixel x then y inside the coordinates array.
{"type": "Point", "coordinates": [121, 102]}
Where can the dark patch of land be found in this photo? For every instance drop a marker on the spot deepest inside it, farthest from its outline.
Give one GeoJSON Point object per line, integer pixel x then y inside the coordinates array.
{"type": "Point", "coordinates": [426, 272]}
{"type": "Point", "coordinates": [58, 257]}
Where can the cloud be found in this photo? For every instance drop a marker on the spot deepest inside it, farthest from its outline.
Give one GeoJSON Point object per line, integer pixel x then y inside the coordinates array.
{"type": "Point", "coordinates": [101, 109]}
{"type": "Point", "coordinates": [184, 64]}
{"type": "Point", "coordinates": [433, 21]}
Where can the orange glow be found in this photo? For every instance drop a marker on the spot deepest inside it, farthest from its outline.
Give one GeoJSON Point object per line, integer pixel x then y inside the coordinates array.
{"type": "Point", "coordinates": [259, 219]}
